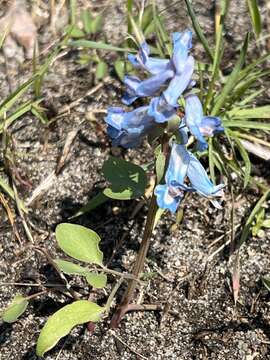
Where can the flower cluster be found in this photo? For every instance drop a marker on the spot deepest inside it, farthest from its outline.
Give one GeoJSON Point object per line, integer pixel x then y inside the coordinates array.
{"type": "Point", "coordinates": [169, 80]}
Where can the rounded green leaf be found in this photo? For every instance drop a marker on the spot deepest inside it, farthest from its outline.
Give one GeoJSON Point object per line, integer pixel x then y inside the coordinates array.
{"type": "Point", "coordinates": [128, 181]}
{"type": "Point", "coordinates": [119, 67]}
{"type": "Point", "coordinates": [266, 223]}
{"type": "Point", "coordinates": [75, 32]}
{"type": "Point", "coordinates": [87, 20]}
{"type": "Point", "coordinates": [98, 281]}
{"type": "Point", "coordinates": [79, 242]}
{"type": "Point", "coordinates": [97, 24]}
{"type": "Point", "coordinates": [63, 321]}
{"type": "Point", "coordinates": [70, 268]}
{"type": "Point", "coordinates": [101, 70]}
{"type": "Point", "coordinates": [15, 309]}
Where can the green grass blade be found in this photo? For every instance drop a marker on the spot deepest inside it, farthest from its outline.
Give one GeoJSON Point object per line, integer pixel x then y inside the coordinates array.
{"type": "Point", "coordinates": [248, 69]}
{"type": "Point", "coordinates": [245, 157]}
{"type": "Point", "coordinates": [255, 16]}
{"type": "Point", "coordinates": [98, 45]}
{"type": "Point", "coordinates": [198, 30]}
{"type": "Point", "coordinates": [12, 98]}
{"type": "Point", "coordinates": [232, 79]}
{"type": "Point", "coordinates": [21, 110]}
{"type": "Point", "coordinates": [251, 97]}
{"type": "Point", "coordinates": [254, 212]}
{"type": "Point", "coordinates": [211, 161]}
{"type": "Point", "coordinates": [259, 112]}
{"type": "Point", "coordinates": [73, 11]}
{"type": "Point", "coordinates": [92, 204]}
{"type": "Point", "coordinates": [246, 124]}
{"type": "Point", "coordinates": [8, 190]}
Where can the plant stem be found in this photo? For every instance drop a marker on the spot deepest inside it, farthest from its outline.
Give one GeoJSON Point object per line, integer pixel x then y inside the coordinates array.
{"type": "Point", "coordinates": [139, 264]}
{"type": "Point", "coordinates": [138, 267]}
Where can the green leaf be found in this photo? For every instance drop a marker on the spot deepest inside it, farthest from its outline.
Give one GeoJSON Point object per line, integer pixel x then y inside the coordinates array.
{"type": "Point", "coordinates": [97, 23]}
{"type": "Point", "coordinates": [128, 181]}
{"type": "Point", "coordinates": [74, 31]}
{"type": "Point", "coordinates": [255, 16]}
{"type": "Point", "coordinates": [252, 216]}
{"type": "Point", "coordinates": [87, 21]}
{"type": "Point", "coordinates": [101, 70]}
{"type": "Point", "coordinates": [259, 112]}
{"type": "Point", "coordinates": [266, 282]}
{"type": "Point", "coordinates": [246, 124]}
{"type": "Point", "coordinates": [211, 161]}
{"type": "Point", "coordinates": [15, 309]}
{"type": "Point", "coordinates": [8, 190]}
{"type": "Point", "coordinates": [246, 159]}
{"type": "Point", "coordinates": [21, 110]}
{"type": "Point", "coordinates": [160, 166]}
{"type": "Point", "coordinates": [70, 268]}
{"type": "Point", "coordinates": [79, 242]}
{"type": "Point", "coordinates": [64, 320]}
{"type": "Point", "coordinates": [158, 216]}
{"type": "Point", "coordinates": [92, 204]}
{"type": "Point", "coordinates": [198, 29]}
{"type": "Point", "coordinates": [161, 33]}
{"type": "Point", "coordinates": [12, 98]}
{"type": "Point", "coordinates": [249, 68]}
{"type": "Point", "coordinates": [98, 45]}
{"type": "Point", "coordinates": [232, 79]}
{"type": "Point", "coordinates": [73, 11]}
{"type": "Point", "coordinates": [266, 223]}
{"type": "Point", "coordinates": [119, 67]}
{"type": "Point", "coordinates": [98, 281]}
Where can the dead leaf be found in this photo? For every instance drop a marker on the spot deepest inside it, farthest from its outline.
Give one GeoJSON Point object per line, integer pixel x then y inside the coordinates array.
{"type": "Point", "coordinates": [259, 150]}
{"type": "Point", "coordinates": [236, 279]}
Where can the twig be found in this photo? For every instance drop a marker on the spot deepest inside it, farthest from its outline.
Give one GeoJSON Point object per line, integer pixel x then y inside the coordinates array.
{"type": "Point", "coordinates": [31, 284]}
{"type": "Point", "coordinates": [122, 275]}
{"type": "Point", "coordinates": [54, 265]}
{"type": "Point", "coordinates": [112, 294]}
{"type": "Point", "coordinates": [10, 217]}
{"type": "Point", "coordinates": [26, 228]}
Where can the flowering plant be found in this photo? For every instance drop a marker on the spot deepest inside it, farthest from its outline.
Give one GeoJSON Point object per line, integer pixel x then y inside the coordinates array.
{"type": "Point", "coordinates": [175, 109]}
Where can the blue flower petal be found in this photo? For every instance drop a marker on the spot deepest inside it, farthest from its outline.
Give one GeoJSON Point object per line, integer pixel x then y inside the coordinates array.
{"type": "Point", "coordinates": [115, 117]}
{"type": "Point", "coordinates": [182, 43]}
{"type": "Point", "coordinates": [138, 88]}
{"type": "Point", "coordinates": [166, 199]}
{"type": "Point", "coordinates": [127, 129]}
{"type": "Point", "coordinates": [198, 124]}
{"type": "Point", "coordinates": [193, 120]}
{"type": "Point", "coordinates": [160, 110]}
{"type": "Point", "coordinates": [179, 83]}
{"type": "Point", "coordinates": [150, 64]}
{"type": "Point", "coordinates": [200, 181]}
{"type": "Point", "coordinates": [178, 166]}
{"type": "Point", "coordinates": [210, 125]}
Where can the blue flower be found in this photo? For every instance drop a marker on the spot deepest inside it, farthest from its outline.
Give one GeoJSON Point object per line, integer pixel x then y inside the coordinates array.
{"type": "Point", "coordinates": [185, 173]}
{"type": "Point", "coordinates": [160, 110]}
{"type": "Point", "coordinates": [127, 129]}
{"type": "Point", "coordinates": [139, 88]}
{"type": "Point", "coordinates": [179, 83]}
{"type": "Point", "coordinates": [198, 124]}
{"type": "Point", "coordinates": [164, 107]}
{"type": "Point", "coordinates": [178, 69]}
{"type": "Point", "coordinates": [145, 62]}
